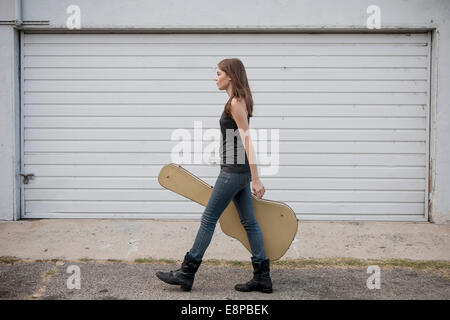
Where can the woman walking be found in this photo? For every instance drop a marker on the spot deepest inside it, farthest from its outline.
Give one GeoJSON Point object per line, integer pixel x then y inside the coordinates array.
{"type": "Point", "coordinates": [232, 184]}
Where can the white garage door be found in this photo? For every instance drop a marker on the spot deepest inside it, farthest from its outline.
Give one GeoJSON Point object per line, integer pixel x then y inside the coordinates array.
{"type": "Point", "coordinates": [99, 110]}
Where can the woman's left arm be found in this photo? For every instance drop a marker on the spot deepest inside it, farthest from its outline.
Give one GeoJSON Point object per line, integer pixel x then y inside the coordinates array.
{"type": "Point", "coordinates": [239, 112]}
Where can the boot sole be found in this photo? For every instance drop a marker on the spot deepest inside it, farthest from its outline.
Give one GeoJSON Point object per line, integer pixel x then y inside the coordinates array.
{"type": "Point", "coordinates": [164, 279]}
{"type": "Point", "coordinates": [185, 288]}
{"type": "Point", "coordinates": [267, 290]}
{"type": "Point", "coordinates": [176, 283]}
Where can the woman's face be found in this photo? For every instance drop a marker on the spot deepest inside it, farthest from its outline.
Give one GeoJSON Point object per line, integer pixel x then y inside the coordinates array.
{"type": "Point", "coordinates": [222, 79]}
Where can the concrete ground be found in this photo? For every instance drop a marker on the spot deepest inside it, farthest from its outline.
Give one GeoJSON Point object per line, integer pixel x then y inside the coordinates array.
{"type": "Point", "coordinates": [119, 259]}
{"type": "Point", "coordinates": [71, 239]}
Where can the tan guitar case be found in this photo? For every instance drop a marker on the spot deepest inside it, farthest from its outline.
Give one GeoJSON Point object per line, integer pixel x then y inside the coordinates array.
{"type": "Point", "coordinates": [277, 220]}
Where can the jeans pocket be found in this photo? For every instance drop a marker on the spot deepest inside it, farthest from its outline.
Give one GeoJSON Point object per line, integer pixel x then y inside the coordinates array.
{"type": "Point", "coordinates": [225, 176]}
{"type": "Point", "coordinates": [245, 179]}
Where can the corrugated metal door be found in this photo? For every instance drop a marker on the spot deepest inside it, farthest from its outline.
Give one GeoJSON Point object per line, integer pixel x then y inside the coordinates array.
{"type": "Point", "coordinates": [99, 110]}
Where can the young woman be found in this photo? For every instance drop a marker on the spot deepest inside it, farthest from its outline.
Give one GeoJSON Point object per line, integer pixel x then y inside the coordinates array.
{"type": "Point", "coordinates": [232, 184]}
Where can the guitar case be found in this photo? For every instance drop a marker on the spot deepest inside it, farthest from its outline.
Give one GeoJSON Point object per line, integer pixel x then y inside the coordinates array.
{"type": "Point", "coordinates": [277, 221]}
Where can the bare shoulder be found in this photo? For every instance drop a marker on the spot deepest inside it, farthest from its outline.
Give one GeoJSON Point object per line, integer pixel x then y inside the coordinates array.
{"type": "Point", "coordinates": [238, 105]}
{"type": "Point", "coordinates": [237, 100]}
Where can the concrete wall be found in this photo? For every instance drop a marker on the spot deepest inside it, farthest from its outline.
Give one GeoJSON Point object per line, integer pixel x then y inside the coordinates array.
{"type": "Point", "coordinates": [9, 115]}
{"type": "Point", "coordinates": [234, 15]}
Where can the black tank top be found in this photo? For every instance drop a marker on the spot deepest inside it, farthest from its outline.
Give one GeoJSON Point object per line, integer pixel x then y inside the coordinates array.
{"type": "Point", "coordinates": [232, 146]}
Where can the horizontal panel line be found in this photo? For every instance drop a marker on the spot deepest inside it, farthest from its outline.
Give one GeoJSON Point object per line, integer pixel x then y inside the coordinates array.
{"type": "Point", "coordinates": [243, 43]}
{"type": "Point", "coordinates": [213, 55]}
{"type": "Point", "coordinates": [172, 128]}
{"type": "Point", "coordinates": [215, 176]}
{"type": "Point", "coordinates": [209, 105]}
{"type": "Point", "coordinates": [33, 214]}
{"type": "Point", "coordinates": [170, 215]}
{"type": "Point", "coordinates": [247, 68]}
{"type": "Point", "coordinates": [207, 79]}
{"type": "Point", "coordinates": [208, 141]}
{"type": "Point", "coordinates": [283, 189]}
{"type": "Point", "coordinates": [253, 91]}
{"type": "Point", "coordinates": [211, 117]}
{"type": "Point", "coordinates": [189, 201]}
{"type": "Point", "coordinates": [204, 128]}
{"type": "Point", "coordinates": [37, 213]}
{"type": "Point", "coordinates": [391, 215]}
{"type": "Point", "coordinates": [149, 153]}
{"type": "Point", "coordinates": [218, 105]}
{"type": "Point", "coordinates": [207, 166]}
{"type": "Point", "coordinates": [196, 216]}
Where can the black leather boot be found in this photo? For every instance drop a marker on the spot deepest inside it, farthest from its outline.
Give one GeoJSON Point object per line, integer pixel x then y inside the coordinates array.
{"type": "Point", "coordinates": [261, 278]}
{"type": "Point", "coordinates": [183, 276]}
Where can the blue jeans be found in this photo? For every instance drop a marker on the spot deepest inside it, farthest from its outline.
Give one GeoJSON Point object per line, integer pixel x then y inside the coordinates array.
{"type": "Point", "coordinates": [236, 187]}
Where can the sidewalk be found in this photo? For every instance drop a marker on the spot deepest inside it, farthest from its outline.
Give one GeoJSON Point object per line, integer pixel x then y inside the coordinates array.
{"type": "Point", "coordinates": [127, 240]}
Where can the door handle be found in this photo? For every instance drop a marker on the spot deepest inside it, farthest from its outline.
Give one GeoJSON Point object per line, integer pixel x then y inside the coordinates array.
{"type": "Point", "coordinates": [27, 177]}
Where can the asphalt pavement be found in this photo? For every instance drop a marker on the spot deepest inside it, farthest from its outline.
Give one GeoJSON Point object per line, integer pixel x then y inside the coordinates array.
{"type": "Point", "coordinates": [109, 280]}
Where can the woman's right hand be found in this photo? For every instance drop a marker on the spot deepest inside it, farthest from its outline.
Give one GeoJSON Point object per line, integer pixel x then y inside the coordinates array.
{"type": "Point", "coordinates": [258, 188]}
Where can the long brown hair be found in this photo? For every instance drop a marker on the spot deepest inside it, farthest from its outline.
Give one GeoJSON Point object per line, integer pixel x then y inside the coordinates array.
{"type": "Point", "coordinates": [235, 69]}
